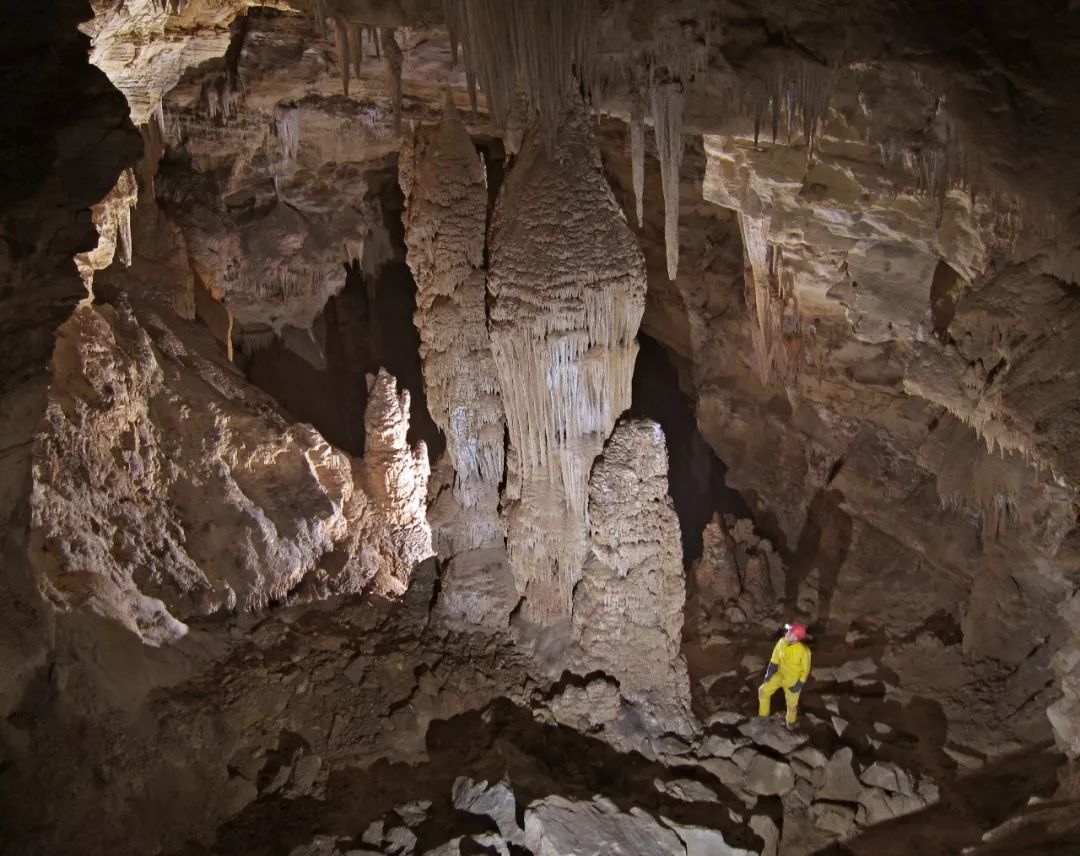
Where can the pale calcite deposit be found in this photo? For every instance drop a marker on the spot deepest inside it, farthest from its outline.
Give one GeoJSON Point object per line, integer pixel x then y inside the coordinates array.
{"type": "Point", "coordinates": [145, 46]}
{"type": "Point", "coordinates": [567, 286]}
{"type": "Point", "coordinates": [112, 218]}
{"type": "Point", "coordinates": [628, 606]}
{"type": "Point", "coordinates": [445, 187]}
{"type": "Point", "coordinates": [166, 488]}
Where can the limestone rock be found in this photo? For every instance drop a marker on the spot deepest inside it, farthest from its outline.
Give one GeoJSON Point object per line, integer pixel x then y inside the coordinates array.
{"type": "Point", "coordinates": [839, 783]}
{"type": "Point", "coordinates": [686, 790]}
{"type": "Point", "coordinates": [768, 777]}
{"type": "Point", "coordinates": [833, 817]}
{"type": "Point", "coordinates": [888, 777]}
{"type": "Point", "coordinates": [567, 288]}
{"type": "Point", "coordinates": [628, 606]}
{"type": "Point", "coordinates": [771, 733]}
{"type": "Point", "coordinates": [154, 454]}
{"type": "Point", "coordinates": [705, 842]}
{"type": "Point", "coordinates": [445, 186]}
{"type": "Point", "coordinates": [495, 801]}
{"type": "Point", "coordinates": [477, 590]}
{"type": "Point", "coordinates": [556, 826]}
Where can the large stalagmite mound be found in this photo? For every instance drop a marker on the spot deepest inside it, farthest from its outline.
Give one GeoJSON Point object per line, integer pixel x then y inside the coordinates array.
{"type": "Point", "coordinates": [567, 285]}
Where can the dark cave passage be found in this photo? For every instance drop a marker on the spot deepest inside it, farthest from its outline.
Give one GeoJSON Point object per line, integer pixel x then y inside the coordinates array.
{"type": "Point", "coordinates": [695, 474]}
{"type": "Point", "coordinates": [368, 325]}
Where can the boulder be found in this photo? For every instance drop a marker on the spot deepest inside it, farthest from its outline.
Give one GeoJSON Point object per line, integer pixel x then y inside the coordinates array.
{"type": "Point", "coordinates": [833, 817]}
{"type": "Point", "coordinates": [768, 777]}
{"type": "Point", "coordinates": [556, 826]}
{"type": "Point", "coordinates": [765, 828]}
{"type": "Point", "coordinates": [705, 842]}
{"type": "Point", "coordinates": [495, 801]}
{"type": "Point", "coordinates": [717, 746]}
{"type": "Point", "coordinates": [772, 734]}
{"type": "Point", "coordinates": [888, 777]}
{"type": "Point", "coordinates": [839, 783]}
{"type": "Point", "coordinates": [686, 790]}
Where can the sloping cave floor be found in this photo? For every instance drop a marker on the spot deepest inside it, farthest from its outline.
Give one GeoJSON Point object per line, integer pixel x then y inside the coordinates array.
{"type": "Point", "coordinates": [258, 735]}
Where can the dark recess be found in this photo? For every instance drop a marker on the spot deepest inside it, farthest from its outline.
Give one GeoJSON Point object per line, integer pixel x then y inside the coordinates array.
{"type": "Point", "coordinates": [369, 325]}
{"type": "Point", "coordinates": [695, 474]}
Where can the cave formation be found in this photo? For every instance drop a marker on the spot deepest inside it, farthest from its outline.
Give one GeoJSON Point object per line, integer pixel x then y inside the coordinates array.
{"type": "Point", "coordinates": [420, 420]}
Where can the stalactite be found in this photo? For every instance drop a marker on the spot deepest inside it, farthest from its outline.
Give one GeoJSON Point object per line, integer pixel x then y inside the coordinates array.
{"type": "Point", "coordinates": [341, 38]}
{"type": "Point", "coordinates": [637, 155]}
{"type": "Point", "coordinates": [373, 34]}
{"type": "Point", "coordinates": [452, 28]}
{"type": "Point", "coordinates": [547, 48]}
{"type": "Point", "coordinates": [356, 47]}
{"type": "Point", "coordinates": [668, 100]}
{"type": "Point", "coordinates": [393, 57]}
{"type": "Point", "coordinates": [287, 123]}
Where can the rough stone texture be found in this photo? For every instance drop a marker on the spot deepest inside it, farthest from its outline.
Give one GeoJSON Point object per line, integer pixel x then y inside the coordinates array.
{"type": "Point", "coordinates": [165, 488]}
{"type": "Point", "coordinates": [495, 801]}
{"type": "Point", "coordinates": [145, 46]}
{"type": "Point", "coordinates": [567, 289]}
{"type": "Point", "coordinates": [738, 576]}
{"type": "Point", "coordinates": [443, 178]}
{"type": "Point", "coordinates": [627, 608]}
{"type": "Point", "coordinates": [556, 826]}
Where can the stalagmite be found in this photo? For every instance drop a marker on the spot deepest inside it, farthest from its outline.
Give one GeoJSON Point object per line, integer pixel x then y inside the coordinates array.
{"type": "Point", "coordinates": [445, 189]}
{"type": "Point", "coordinates": [637, 156]}
{"type": "Point", "coordinates": [668, 100]}
{"type": "Point", "coordinates": [567, 284]}
{"type": "Point", "coordinates": [341, 38]}
{"type": "Point", "coordinates": [628, 607]}
{"type": "Point", "coordinates": [393, 57]}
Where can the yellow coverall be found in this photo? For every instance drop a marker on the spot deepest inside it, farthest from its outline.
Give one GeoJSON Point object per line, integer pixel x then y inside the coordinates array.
{"type": "Point", "coordinates": [792, 668]}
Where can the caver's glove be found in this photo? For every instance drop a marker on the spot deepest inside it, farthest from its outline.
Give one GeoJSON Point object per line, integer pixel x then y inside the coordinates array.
{"type": "Point", "coordinates": [770, 670]}
{"type": "Point", "coordinates": [797, 687]}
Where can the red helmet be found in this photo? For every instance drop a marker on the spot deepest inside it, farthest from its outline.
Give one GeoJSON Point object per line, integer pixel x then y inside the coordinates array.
{"type": "Point", "coordinates": [796, 630]}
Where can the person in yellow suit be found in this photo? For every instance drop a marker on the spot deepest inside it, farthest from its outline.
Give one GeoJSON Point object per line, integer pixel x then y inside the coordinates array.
{"type": "Point", "coordinates": [789, 668]}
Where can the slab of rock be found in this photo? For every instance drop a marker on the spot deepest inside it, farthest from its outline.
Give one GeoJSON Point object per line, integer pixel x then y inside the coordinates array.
{"type": "Point", "coordinates": [772, 734]}
{"type": "Point", "coordinates": [700, 841]}
{"type": "Point", "coordinates": [718, 746]}
{"type": "Point", "coordinates": [877, 806]}
{"type": "Point", "coordinates": [495, 801]}
{"type": "Point", "coordinates": [765, 828]}
{"type": "Point", "coordinates": [839, 782]}
{"type": "Point", "coordinates": [724, 717]}
{"type": "Point", "coordinates": [687, 790]}
{"type": "Point", "coordinates": [833, 817]}
{"type": "Point", "coordinates": [888, 777]}
{"type": "Point", "coordinates": [768, 777]}
{"type": "Point", "coordinates": [811, 757]}
{"type": "Point", "coordinates": [556, 826]}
